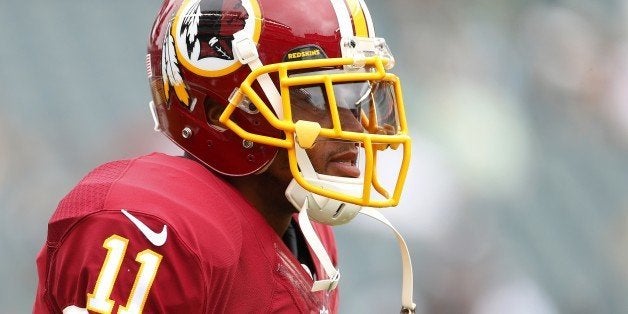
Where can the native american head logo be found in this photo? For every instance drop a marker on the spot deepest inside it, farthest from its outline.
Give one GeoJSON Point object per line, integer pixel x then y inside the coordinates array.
{"type": "Point", "coordinates": [200, 38]}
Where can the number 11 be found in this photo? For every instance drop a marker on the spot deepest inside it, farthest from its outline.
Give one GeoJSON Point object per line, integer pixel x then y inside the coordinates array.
{"type": "Point", "coordinates": [99, 300]}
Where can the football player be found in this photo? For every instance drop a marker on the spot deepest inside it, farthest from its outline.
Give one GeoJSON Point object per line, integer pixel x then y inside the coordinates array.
{"type": "Point", "coordinates": [281, 108]}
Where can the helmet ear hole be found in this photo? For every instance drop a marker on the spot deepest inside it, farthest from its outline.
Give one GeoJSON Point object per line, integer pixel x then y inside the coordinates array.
{"type": "Point", "coordinates": [212, 112]}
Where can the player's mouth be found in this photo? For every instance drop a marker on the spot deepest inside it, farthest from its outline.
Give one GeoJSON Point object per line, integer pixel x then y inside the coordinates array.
{"type": "Point", "coordinates": [344, 164]}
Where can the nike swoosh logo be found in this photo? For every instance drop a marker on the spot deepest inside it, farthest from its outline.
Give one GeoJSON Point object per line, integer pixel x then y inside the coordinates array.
{"type": "Point", "coordinates": [157, 239]}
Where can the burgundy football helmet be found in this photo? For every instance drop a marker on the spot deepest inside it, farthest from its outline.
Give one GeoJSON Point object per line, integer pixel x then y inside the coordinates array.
{"type": "Point", "coordinates": [254, 60]}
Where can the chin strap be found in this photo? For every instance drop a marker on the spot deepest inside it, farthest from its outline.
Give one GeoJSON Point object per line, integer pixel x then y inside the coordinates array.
{"type": "Point", "coordinates": [246, 51]}
{"type": "Point", "coordinates": [333, 274]}
{"type": "Point", "coordinates": [407, 306]}
{"type": "Point", "coordinates": [315, 244]}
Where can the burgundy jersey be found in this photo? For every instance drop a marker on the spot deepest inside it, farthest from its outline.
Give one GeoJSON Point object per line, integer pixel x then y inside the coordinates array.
{"type": "Point", "coordinates": [162, 234]}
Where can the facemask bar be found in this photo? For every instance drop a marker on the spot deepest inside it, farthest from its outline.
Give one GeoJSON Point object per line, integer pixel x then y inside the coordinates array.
{"type": "Point", "coordinates": [305, 131]}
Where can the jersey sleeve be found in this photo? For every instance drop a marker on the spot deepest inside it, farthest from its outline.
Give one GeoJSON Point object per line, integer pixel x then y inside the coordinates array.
{"type": "Point", "coordinates": [106, 263]}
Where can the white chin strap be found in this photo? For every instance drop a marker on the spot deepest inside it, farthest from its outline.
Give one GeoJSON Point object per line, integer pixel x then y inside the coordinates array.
{"type": "Point", "coordinates": [315, 244]}
{"type": "Point", "coordinates": [407, 305]}
{"type": "Point", "coordinates": [333, 274]}
{"type": "Point", "coordinates": [246, 51]}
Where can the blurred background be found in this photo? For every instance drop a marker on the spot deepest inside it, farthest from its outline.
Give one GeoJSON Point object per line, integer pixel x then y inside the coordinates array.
{"type": "Point", "coordinates": [517, 199]}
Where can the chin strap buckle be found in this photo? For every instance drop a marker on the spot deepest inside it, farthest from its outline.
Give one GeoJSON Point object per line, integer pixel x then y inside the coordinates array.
{"type": "Point", "coordinates": [246, 50]}
{"type": "Point", "coordinates": [327, 284]}
{"type": "Point", "coordinates": [405, 310]}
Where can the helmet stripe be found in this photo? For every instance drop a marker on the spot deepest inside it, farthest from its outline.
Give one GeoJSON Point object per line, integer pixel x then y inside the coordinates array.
{"type": "Point", "coordinates": [369, 20]}
{"type": "Point", "coordinates": [344, 19]}
{"type": "Point", "coordinates": [358, 17]}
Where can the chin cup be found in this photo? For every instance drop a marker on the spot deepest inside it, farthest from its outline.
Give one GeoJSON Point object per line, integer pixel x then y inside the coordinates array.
{"type": "Point", "coordinates": [322, 209]}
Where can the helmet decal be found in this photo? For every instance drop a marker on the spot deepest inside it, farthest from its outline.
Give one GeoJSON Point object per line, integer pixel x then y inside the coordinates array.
{"type": "Point", "coordinates": [201, 36]}
{"type": "Point", "coordinates": [210, 37]}
{"type": "Point", "coordinates": [306, 52]}
{"type": "Point", "coordinates": [172, 74]}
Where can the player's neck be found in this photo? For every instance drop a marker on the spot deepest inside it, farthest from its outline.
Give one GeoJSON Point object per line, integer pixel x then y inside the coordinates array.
{"type": "Point", "coordinates": [268, 197]}
{"type": "Point", "coordinates": [267, 194]}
